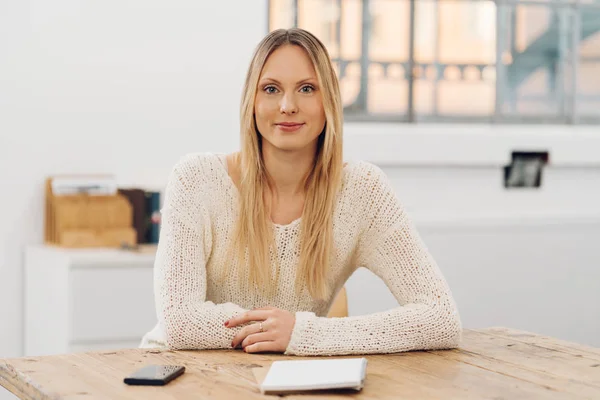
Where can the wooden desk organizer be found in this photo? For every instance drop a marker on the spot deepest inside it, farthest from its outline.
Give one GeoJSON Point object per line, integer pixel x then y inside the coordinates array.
{"type": "Point", "coordinates": [83, 220]}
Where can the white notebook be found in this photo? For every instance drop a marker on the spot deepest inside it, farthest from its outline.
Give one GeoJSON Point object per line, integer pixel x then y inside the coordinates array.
{"type": "Point", "coordinates": [303, 375]}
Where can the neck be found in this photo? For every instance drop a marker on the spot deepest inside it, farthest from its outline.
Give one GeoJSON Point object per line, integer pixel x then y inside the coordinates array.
{"type": "Point", "coordinates": [288, 169]}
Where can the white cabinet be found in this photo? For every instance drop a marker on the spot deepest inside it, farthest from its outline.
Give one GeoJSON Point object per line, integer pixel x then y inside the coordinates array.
{"type": "Point", "coordinates": [87, 299]}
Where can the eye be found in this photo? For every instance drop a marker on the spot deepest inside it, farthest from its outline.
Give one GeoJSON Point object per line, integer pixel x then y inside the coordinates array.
{"type": "Point", "coordinates": [307, 89]}
{"type": "Point", "coordinates": [270, 89]}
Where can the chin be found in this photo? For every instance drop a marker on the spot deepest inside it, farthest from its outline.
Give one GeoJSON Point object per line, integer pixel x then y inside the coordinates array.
{"type": "Point", "coordinates": [290, 143]}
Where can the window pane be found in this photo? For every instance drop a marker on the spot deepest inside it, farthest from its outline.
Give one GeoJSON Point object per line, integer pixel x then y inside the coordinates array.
{"type": "Point", "coordinates": [350, 57]}
{"type": "Point", "coordinates": [588, 82]}
{"type": "Point", "coordinates": [351, 29]}
{"type": "Point", "coordinates": [386, 88]}
{"type": "Point", "coordinates": [455, 55]}
{"type": "Point", "coordinates": [320, 17]}
{"type": "Point", "coordinates": [388, 55]}
{"type": "Point", "coordinates": [281, 14]}
{"type": "Point", "coordinates": [467, 31]}
{"type": "Point", "coordinates": [535, 73]}
{"type": "Point", "coordinates": [390, 30]}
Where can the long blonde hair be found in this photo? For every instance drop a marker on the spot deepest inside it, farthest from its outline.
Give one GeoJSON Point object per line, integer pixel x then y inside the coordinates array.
{"type": "Point", "coordinates": [253, 241]}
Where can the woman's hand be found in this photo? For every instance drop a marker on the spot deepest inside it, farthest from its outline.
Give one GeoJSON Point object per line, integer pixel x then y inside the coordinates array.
{"type": "Point", "coordinates": [271, 330]}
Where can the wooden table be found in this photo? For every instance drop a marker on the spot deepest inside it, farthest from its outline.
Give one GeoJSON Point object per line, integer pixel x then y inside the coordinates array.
{"type": "Point", "coordinates": [495, 363]}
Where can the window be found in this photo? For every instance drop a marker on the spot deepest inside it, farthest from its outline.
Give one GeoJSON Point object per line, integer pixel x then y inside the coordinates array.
{"type": "Point", "coordinates": [471, 60]}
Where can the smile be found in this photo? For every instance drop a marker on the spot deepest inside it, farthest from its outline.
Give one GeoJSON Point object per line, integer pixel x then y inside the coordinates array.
{"type": "Point", "coordinates": [290, 126]}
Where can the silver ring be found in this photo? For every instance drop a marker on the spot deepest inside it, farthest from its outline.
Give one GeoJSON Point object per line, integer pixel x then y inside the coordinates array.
{"type": "Point", "coordinates": [260, 327]}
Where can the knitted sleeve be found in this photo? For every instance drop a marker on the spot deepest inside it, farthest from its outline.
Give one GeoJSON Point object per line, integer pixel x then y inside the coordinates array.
{"type": "Point", "coordinates": [187, 320]}
{"type": "Point", "coordinates": [427, 317]}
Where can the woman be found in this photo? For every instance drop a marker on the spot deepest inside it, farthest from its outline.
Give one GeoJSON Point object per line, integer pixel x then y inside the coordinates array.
{"type": "Point", "coordinates": [255, 245]}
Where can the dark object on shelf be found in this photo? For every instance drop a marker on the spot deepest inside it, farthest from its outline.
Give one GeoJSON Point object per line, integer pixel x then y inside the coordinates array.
{"type": "Point", "coordinates": [152, 217]}
{"type": "Point", "coordinates": [525, 170]}
{"type": "Point", "coordinates": [137, 198]}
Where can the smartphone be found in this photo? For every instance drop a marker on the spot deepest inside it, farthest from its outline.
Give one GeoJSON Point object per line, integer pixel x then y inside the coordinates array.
{"type": "Point", "coordinates": [155, 375]}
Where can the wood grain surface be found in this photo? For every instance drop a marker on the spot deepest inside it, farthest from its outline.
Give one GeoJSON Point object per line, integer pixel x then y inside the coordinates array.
{"type": "Point", "coordinates": [494, 363]}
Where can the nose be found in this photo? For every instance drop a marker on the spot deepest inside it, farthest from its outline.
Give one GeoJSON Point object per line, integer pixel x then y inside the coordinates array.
{"type": "Point", "coordinates": [288, 104]}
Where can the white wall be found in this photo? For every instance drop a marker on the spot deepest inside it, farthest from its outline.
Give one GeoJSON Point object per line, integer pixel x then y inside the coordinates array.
{"type": "Point", "coordinates": [117, 86]}
{"type": "Point", "coordinates": [127, 87]}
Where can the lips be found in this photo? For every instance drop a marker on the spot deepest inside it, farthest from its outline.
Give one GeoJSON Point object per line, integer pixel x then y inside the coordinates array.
{"type": "Point", "coordinates": [289, 126]}
{"type": "Point", "coordinates": [289, 123]}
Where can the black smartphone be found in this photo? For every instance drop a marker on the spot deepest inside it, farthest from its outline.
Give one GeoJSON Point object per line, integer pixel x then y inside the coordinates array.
{"type": "Point", "coordinates": [155, 375]}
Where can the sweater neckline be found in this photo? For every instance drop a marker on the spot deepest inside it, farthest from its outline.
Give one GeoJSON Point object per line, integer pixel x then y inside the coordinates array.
{"type": "Point", "coordinates": [222, 161]}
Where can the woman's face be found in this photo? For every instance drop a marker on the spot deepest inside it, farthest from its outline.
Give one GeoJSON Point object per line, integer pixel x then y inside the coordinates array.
{"type": "Point", "coordinates": [289, 106]}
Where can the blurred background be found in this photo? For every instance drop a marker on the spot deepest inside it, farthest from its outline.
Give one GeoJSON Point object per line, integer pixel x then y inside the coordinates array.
{"type": "Point", "coordinates": [484, 114]}
{"type": "Point", "coordinates": [471, 61]}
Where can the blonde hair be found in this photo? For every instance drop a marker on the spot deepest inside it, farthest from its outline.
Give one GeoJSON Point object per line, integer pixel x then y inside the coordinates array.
{"type": "Point", "coordinates": [253, 241]}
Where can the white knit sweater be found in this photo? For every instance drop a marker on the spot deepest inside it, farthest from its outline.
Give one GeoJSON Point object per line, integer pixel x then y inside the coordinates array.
{"type": "Point", "coordinates": [198, 220]}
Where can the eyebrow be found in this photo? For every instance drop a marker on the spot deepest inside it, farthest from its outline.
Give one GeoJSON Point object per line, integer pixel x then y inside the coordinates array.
{"type": "Point", "coordinates": [297, 83]}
